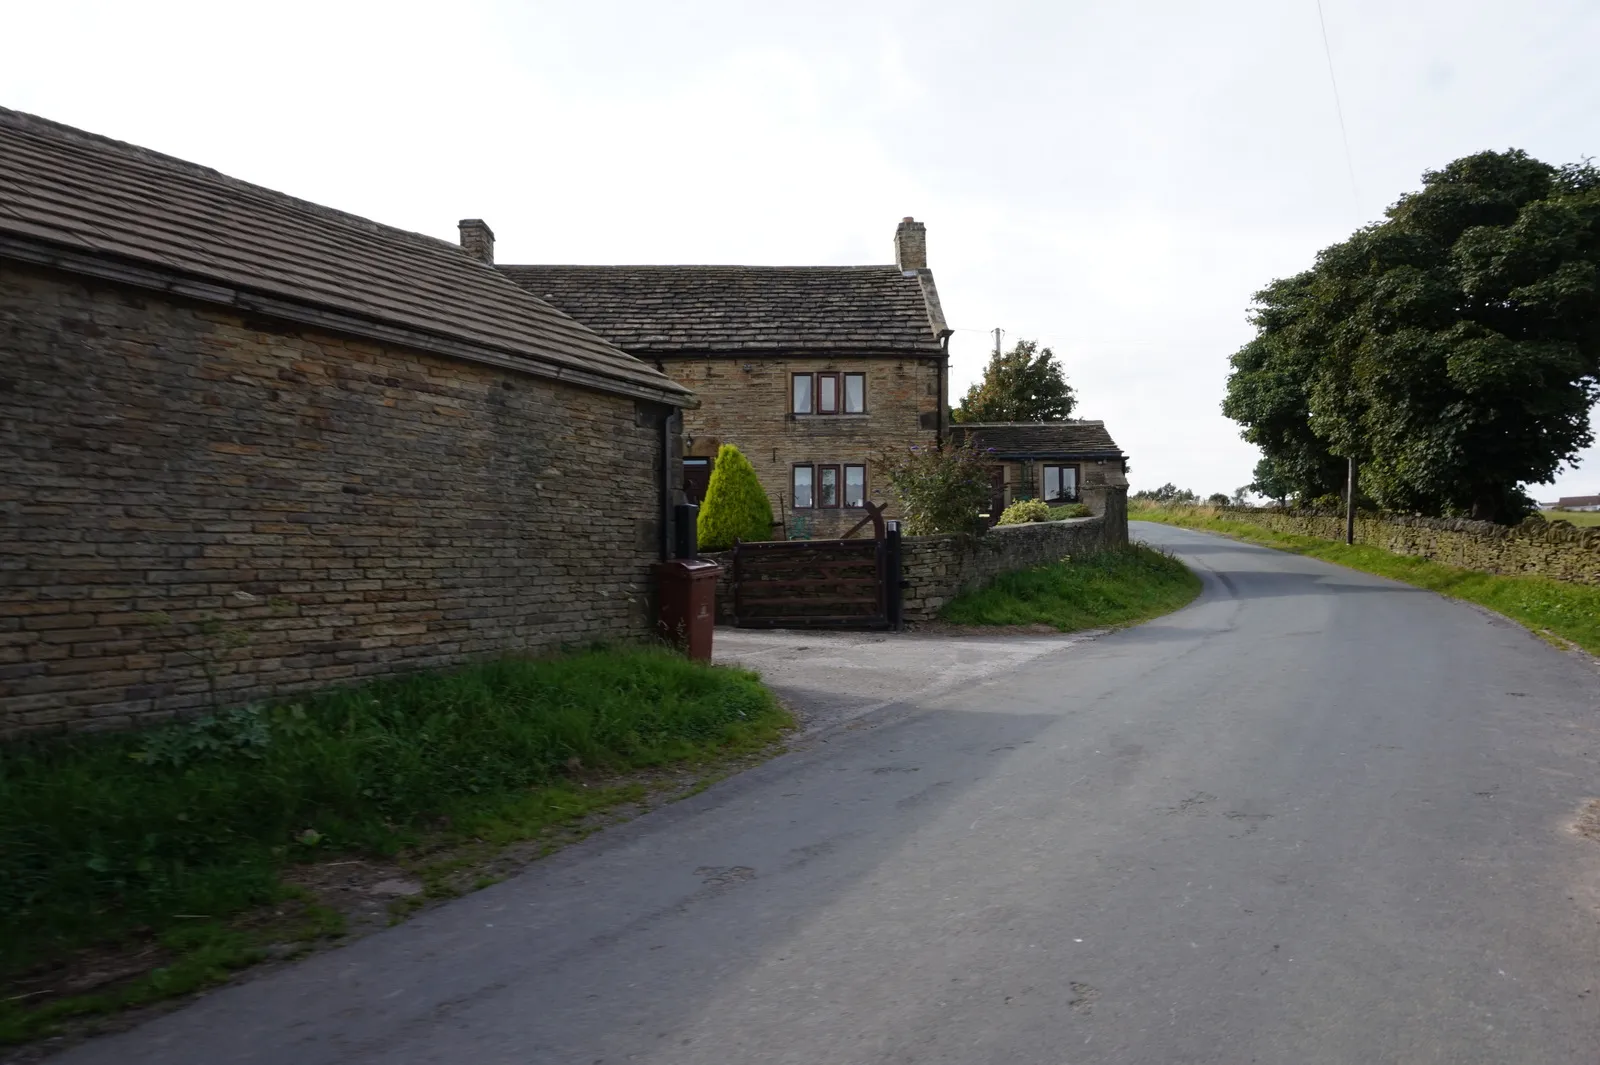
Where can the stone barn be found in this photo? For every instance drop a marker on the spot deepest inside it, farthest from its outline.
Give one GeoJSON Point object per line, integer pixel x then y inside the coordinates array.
{"type": "Point", "coordinates": [252, 445]}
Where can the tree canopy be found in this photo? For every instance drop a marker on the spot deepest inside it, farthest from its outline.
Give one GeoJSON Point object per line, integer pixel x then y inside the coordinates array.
{"type": "Point", "coordinates": [1452, 350]}
{"type": "Point", "coordinates": [1025, 384]}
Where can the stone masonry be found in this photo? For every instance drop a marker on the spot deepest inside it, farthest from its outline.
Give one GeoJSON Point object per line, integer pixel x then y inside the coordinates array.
{"type": "Point", "coordinates": [1557, 550]}
{"type": "Point", "coordinates": [939, 568]}
{"type": "Point", "coordinates": [746, 403]}
{"type": "Point", "coordinates": [203, 509]}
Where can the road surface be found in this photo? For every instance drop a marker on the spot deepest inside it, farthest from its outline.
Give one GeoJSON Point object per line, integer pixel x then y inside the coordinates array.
{"type": "Point", "coordinates": [1316, 817]}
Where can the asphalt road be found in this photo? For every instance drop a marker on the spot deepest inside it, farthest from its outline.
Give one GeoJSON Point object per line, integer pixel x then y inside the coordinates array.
{"type": "Point", "coordinates": [1315, 817]}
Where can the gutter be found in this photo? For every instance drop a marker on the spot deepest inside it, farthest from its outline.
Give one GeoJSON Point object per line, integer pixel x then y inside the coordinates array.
{"type": "Point", "coordinates": [666, 482]}
{"type": "Point", "coordinates": [944, 378]}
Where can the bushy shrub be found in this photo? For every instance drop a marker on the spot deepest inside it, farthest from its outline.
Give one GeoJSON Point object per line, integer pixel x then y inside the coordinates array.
{"type": "Point", "coordinates": [1070, 510]}
{"type": "Point", "coordinates": [940, 489]}
{"type": "Point", "coordinates": [1025, 510]}
{"type": "Point", "coordinates": [735, 506]}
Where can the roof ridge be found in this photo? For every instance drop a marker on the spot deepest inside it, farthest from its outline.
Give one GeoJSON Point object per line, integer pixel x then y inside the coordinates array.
{"type": "Point", "coordinates": [26, 121]}
{"type": "Point", "coordinates": [687, 266]}
{"type": "Point", "coordinates": [1011, 425]}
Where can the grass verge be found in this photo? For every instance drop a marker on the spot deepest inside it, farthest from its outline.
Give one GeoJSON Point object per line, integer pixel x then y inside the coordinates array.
{"type": "Point", "coordinates": [1104, 590]}
{"type": "Point", "coordinates": [1562, 609]}
{"type": "Point", "coordinates": [172, 844]}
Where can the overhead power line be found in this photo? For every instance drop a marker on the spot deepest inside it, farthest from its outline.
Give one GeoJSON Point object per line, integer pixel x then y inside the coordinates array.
{"type": "Point", "coordinates": [1338, 108]}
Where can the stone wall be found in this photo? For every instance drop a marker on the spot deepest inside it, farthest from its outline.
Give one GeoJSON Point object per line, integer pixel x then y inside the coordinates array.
{"type": "Point", "coordinates": [202, 509]}
{"type": "Point", "coordinates": [939, 568]}
{"type": "Point", "coordinates": [1563, 552]}
{"type": "Point", "coordinates": [745, 402]}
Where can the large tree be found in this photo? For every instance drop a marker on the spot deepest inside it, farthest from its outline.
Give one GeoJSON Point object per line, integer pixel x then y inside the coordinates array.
{"type": "Point", "coordinates": [1025, 384]}
{"type": "Point", "coordinates": [1452, 349]}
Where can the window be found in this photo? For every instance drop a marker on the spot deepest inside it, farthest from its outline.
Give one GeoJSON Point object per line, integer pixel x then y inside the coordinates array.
{"type": "Point", "coordinates": [827, 393]}
{"type": "Point", "coordinates": [855, 393]}
{"type": "Point", "coordinates": [1060, 484]}
{"type": "Point", "coordinates": [855, 486]}
{"type": "Point", "coordinates": [802, 487]}
{"type": "Point", "coordinates": [801, 391]}
{"type": "Point", "coordinates": [828, 486]}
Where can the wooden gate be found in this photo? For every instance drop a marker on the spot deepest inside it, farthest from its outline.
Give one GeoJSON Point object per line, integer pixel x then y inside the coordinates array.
{"type": "Point", "coordinates": [821, 584]}
{"type": "Point", "coordinates": [795, 584]}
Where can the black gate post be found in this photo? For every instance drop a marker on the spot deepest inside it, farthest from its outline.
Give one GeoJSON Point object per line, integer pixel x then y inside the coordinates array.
{"type": "Point", "coordinates": [894, 599]}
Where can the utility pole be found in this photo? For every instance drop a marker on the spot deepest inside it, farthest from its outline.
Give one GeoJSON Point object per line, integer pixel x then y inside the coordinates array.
{"type": "Point", "coordinates": [1350, 504]}
{"type": "Point", "coordinates": [997, 332]}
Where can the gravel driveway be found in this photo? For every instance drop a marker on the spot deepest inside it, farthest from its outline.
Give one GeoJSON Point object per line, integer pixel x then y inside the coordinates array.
{"type": "Point", "coordinates": [827, 678]}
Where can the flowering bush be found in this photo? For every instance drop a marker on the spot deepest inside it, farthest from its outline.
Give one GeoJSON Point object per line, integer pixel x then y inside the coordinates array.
{"type": "Point", "coordinates": [940, 489]}
{"type": "Point", "coordinates": [1025, 510]}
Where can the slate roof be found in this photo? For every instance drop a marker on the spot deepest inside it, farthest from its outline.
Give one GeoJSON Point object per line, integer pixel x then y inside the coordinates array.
{"type": "Point", "coordinates": [663, 310]}
{"type": "Point", "coordinates": [1073, 439]}
{"type": "Point", "coordinates": [1578, 501]}
{"type": "Point", "coordinates": [92, 205]}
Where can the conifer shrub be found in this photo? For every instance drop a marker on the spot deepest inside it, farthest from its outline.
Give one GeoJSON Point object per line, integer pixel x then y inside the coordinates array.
{"type": "Point", "coordinates": [735, 506]}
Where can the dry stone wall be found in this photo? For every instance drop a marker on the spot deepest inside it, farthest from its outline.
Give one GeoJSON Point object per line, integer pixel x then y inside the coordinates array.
{"type": "Point", "coordinates": [1560, 551]}
{"type": "Point", "coordinates": [200, 509]}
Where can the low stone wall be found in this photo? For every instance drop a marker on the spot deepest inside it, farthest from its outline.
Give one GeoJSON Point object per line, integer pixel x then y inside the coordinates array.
{"type": "Point", "coordinates": [939, 568]}
{"type": "Point", "coordinates": [1563, 552]}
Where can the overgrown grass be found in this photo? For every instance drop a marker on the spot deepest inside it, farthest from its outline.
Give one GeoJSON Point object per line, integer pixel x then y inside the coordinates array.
{"type": "Point", "coordinates": [1097, 591]}
{"type": "Point", "coordinates": [1561, 608]}
{"type": "Point", "coordinates": [106, 838]}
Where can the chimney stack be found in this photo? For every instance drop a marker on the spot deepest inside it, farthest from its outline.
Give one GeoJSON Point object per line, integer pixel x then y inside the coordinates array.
{"type": "Point", "coordinates": [911, 244]}
{"type": "Point", "coordinates": [478, 239]}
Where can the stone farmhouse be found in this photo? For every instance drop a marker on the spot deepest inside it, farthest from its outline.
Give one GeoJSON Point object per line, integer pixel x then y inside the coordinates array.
{"type": "Point", "coordinates": [814, 372]}
{"type": "Point", "coordinates": [253, 445]}
{"type": "Point", "coordinates": [1058, 462]}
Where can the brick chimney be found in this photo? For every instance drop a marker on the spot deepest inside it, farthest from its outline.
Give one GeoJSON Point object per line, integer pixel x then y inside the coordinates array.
{"type": "Point", "coordinates": [910, 244]}
{"type": "Point", "coordinates": [478, 239]}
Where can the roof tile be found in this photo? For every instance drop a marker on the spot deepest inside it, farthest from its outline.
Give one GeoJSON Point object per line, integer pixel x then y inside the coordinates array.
{"type": "Point", "coordinates": [89, 194]}
{"type": "Point", "coordinates": [668, 309]}
{"type": "Point", "coordinates": [1069, 439]}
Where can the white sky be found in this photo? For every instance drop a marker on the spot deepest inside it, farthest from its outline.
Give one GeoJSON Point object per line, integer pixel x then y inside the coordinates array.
{"type": "Point", "coordinates": [1114, 179]}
